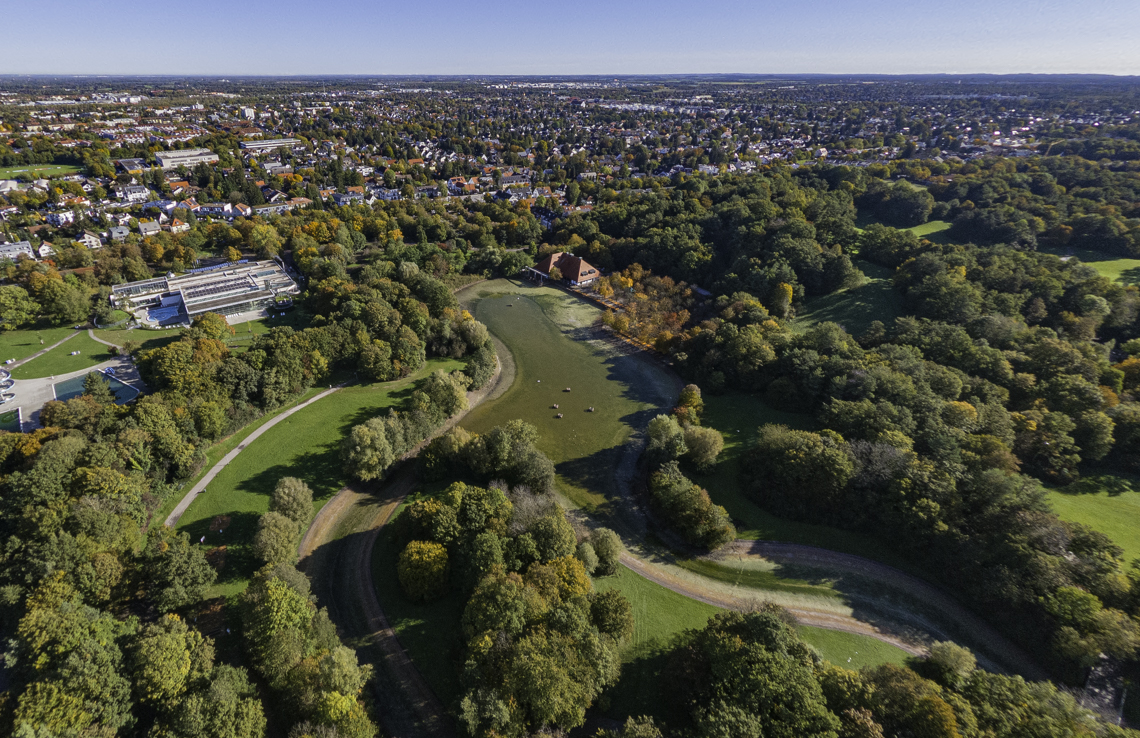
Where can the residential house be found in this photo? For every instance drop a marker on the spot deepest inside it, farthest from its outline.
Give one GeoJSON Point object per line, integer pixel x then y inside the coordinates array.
{"type": "Point", "coordinates": [119, 233]}
{"type": "Point", "coordinates": [90, 240]}
{"type": "Point", "coordinates": [46, 251]}
{"type": "Point", "coordinates": [149, 227]}
{"type": "Point", "coordinates": [219, 209]}
{"type": "Point", "coordinates": [574, 269]}
{"type": "Point", "coordinates": [60, 218]}
{"type": "Point", "coordinates": [13, 250]}
{"type": "Point", "coordinates": [177, 226]}
{"type": "Point", "coordinates": [134, 193]}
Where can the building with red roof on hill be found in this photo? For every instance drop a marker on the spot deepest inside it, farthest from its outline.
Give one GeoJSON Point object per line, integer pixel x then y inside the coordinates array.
{"type": "Point", "coordinates": [574, 269]}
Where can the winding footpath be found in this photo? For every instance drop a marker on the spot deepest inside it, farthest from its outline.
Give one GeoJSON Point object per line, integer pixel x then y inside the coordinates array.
{"type": "Point", "coordinates": [200, 487]}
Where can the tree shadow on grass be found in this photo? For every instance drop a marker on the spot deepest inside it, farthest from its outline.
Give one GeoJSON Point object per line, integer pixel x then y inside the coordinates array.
{"type": "Point", "coordinates": [237, 536]}
{"type": "Point", "coordinates": [321, 469]}
{"type": "Point", "coordinates": [1130, 276]}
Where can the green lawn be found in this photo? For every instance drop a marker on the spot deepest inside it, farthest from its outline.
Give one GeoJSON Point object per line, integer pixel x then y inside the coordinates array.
{"type": "Point", "coordinates": [148, 339]}
{"type": "Point", "coordinates": [23, 343]}
{"type": "Point", "coordinates": [39, 170]}
{"type": "Point", "coordinates": [932, 230]}
{"type": "Point", "coordinates": [60, 361]}
{"type": "Point", "coordinates": [1108, 503]}
{"type": "Point", "coordinates": [215, 453]}
{"type": "Point", "coordinates": [1115, 268]}
{"type": "Point", "coordinates": [543, 328]}
{"type": "Point", "coordinates": [857, 307]}
{"type": "Point", "coordinates": [661, 616]}
{"type": "Point", "coordinates": [739, 417]}
{"type": "Point", "coordinates": [306, 445]}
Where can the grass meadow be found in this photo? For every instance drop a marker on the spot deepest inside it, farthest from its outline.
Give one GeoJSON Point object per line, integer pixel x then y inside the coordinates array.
{"type": "Point", "coordinates": [1109, 503]}
{"type": "Point", "coordinates": [36, 171]}
{"type": "Point", "coordinates": [662, 616]}
{"type": "Point", "coordinates": [857, 307]}
{"type": "Point", "coordinates": [60, 361]}
{"type": "Point", "coordinates": [305, 445]}
{"type": "Point", "coordinates": [23, 343]}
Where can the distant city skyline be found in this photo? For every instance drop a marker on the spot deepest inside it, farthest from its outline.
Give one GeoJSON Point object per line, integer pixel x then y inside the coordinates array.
{"type": "Point", "coordinates": [589, 37]}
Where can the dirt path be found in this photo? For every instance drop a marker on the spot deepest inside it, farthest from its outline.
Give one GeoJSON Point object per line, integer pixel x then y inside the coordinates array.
{"type": "Point", "coordinates": [197, 489]}
{"type": "Point", "coordinates": [336, 553]}
{"type": "Point", "coordinates": [817, 618]}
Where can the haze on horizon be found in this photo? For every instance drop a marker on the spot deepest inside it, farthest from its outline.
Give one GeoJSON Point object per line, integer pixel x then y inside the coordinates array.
{"type": "Point", "coordinates": [558, 38]}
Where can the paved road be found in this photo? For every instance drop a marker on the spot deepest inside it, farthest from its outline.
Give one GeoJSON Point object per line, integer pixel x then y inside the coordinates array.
{"type": "Point", "coordinates": [197, 489]}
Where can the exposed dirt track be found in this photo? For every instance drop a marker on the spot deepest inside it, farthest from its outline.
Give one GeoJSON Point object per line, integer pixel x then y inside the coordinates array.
{"type": "Point", "coordinates": [336, 553]}
{"type": "Point", "coordinates": [817, 618]}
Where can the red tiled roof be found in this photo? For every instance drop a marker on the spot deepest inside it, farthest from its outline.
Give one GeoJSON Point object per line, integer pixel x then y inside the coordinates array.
{"type": "Point", "coordinates": [574, 268]}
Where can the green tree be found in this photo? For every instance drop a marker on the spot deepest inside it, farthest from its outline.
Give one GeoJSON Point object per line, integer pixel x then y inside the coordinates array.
{"type": "Point", "coordinates": [264, 240]}
{"type": "Point", "coordinates": [177, 573]}
{"type": "Point", "coordinates": [168, 656]}
{"type": "Point", "coordinates": [293, 499]}
{"type": "Point", "coordinates": [17, 308]}
{"type": "Point", "coordinates": [704, 446]}
{"type": "Point", "coordinates": [276, 539]}
{"type": "Point", "coordinates": [423, 571]}
{"type": "Point", "coordinates": [612, 614]}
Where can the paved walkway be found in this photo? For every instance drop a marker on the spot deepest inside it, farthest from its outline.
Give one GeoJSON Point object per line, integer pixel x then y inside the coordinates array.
{"type": "Point", "coordinates": [200, 487]}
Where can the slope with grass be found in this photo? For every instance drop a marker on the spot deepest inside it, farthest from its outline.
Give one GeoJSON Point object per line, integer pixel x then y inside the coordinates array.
{"type": "Point", "coordinates": [60, 361]}
{"type": "Point", "coordinates": [555, 346]}
{"type": "Point", "coordinates": [1109, 503]}
{"type": "Point", "coordinates": [856, 307]}
{"type": "Point", "coordinates": [739, 417]}
{"type": "Point", "coordinates": [306, 445]}
{"type": "Point", "coordinates": [23, 343]}
{"type": "Point", "coordinates": [661, 617]}
{"type": "Point", "coordinates": [1116, 268]}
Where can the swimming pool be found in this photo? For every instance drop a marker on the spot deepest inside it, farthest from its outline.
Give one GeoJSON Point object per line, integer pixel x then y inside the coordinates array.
{"type": "Point", "coordinates": [74, 387]}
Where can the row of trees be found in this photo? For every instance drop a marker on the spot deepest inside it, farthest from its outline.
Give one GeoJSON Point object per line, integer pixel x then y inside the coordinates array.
{"type": "Point", "coordinates": [749, 675]}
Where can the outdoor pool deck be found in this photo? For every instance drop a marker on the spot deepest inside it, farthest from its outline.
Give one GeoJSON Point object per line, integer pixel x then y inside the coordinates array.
{"type": "Point", "coordinates": [73, 387]}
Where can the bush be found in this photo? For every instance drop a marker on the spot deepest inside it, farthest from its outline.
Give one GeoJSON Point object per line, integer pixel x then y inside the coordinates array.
{"type": "Point", "coordinates": [276, 539]}
{"type": "Point", "coordinates": [612, 614]}
{"type": "Point", "coordinates": [688, 509]}
{"type": "Point", "coordinates": [608, 548]}
{"type": "Point", "coordinates": [423, 570]}
{"type": "Point", "coordinates": [587, 556]}
{"type": "Point", "coordinates": [293, 499]}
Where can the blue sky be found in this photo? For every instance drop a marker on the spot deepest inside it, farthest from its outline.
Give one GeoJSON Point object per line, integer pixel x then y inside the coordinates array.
{"type": "Point", "coordinates": [586, 37]}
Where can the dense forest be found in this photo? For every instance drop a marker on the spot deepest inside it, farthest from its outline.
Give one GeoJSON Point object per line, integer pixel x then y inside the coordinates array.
{"type": "Point", "coordinates": [96, 594]}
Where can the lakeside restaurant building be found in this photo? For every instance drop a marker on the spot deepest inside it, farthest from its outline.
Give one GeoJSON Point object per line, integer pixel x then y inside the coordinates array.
{"type": "Point", "coordinates": [575, 269]}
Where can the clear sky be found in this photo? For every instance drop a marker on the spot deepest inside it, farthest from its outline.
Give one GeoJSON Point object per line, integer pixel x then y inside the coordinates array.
{"type": "Point", "coordinates": [585, 37]}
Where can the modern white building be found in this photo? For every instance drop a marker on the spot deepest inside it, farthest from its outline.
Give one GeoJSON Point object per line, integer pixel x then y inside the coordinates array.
{"type": "Point", "coordinates": [185, 157]}
{"type": "Point", "coordinates": [270, 144]}
{"type": "Point", "coordinates": [225, 289]}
